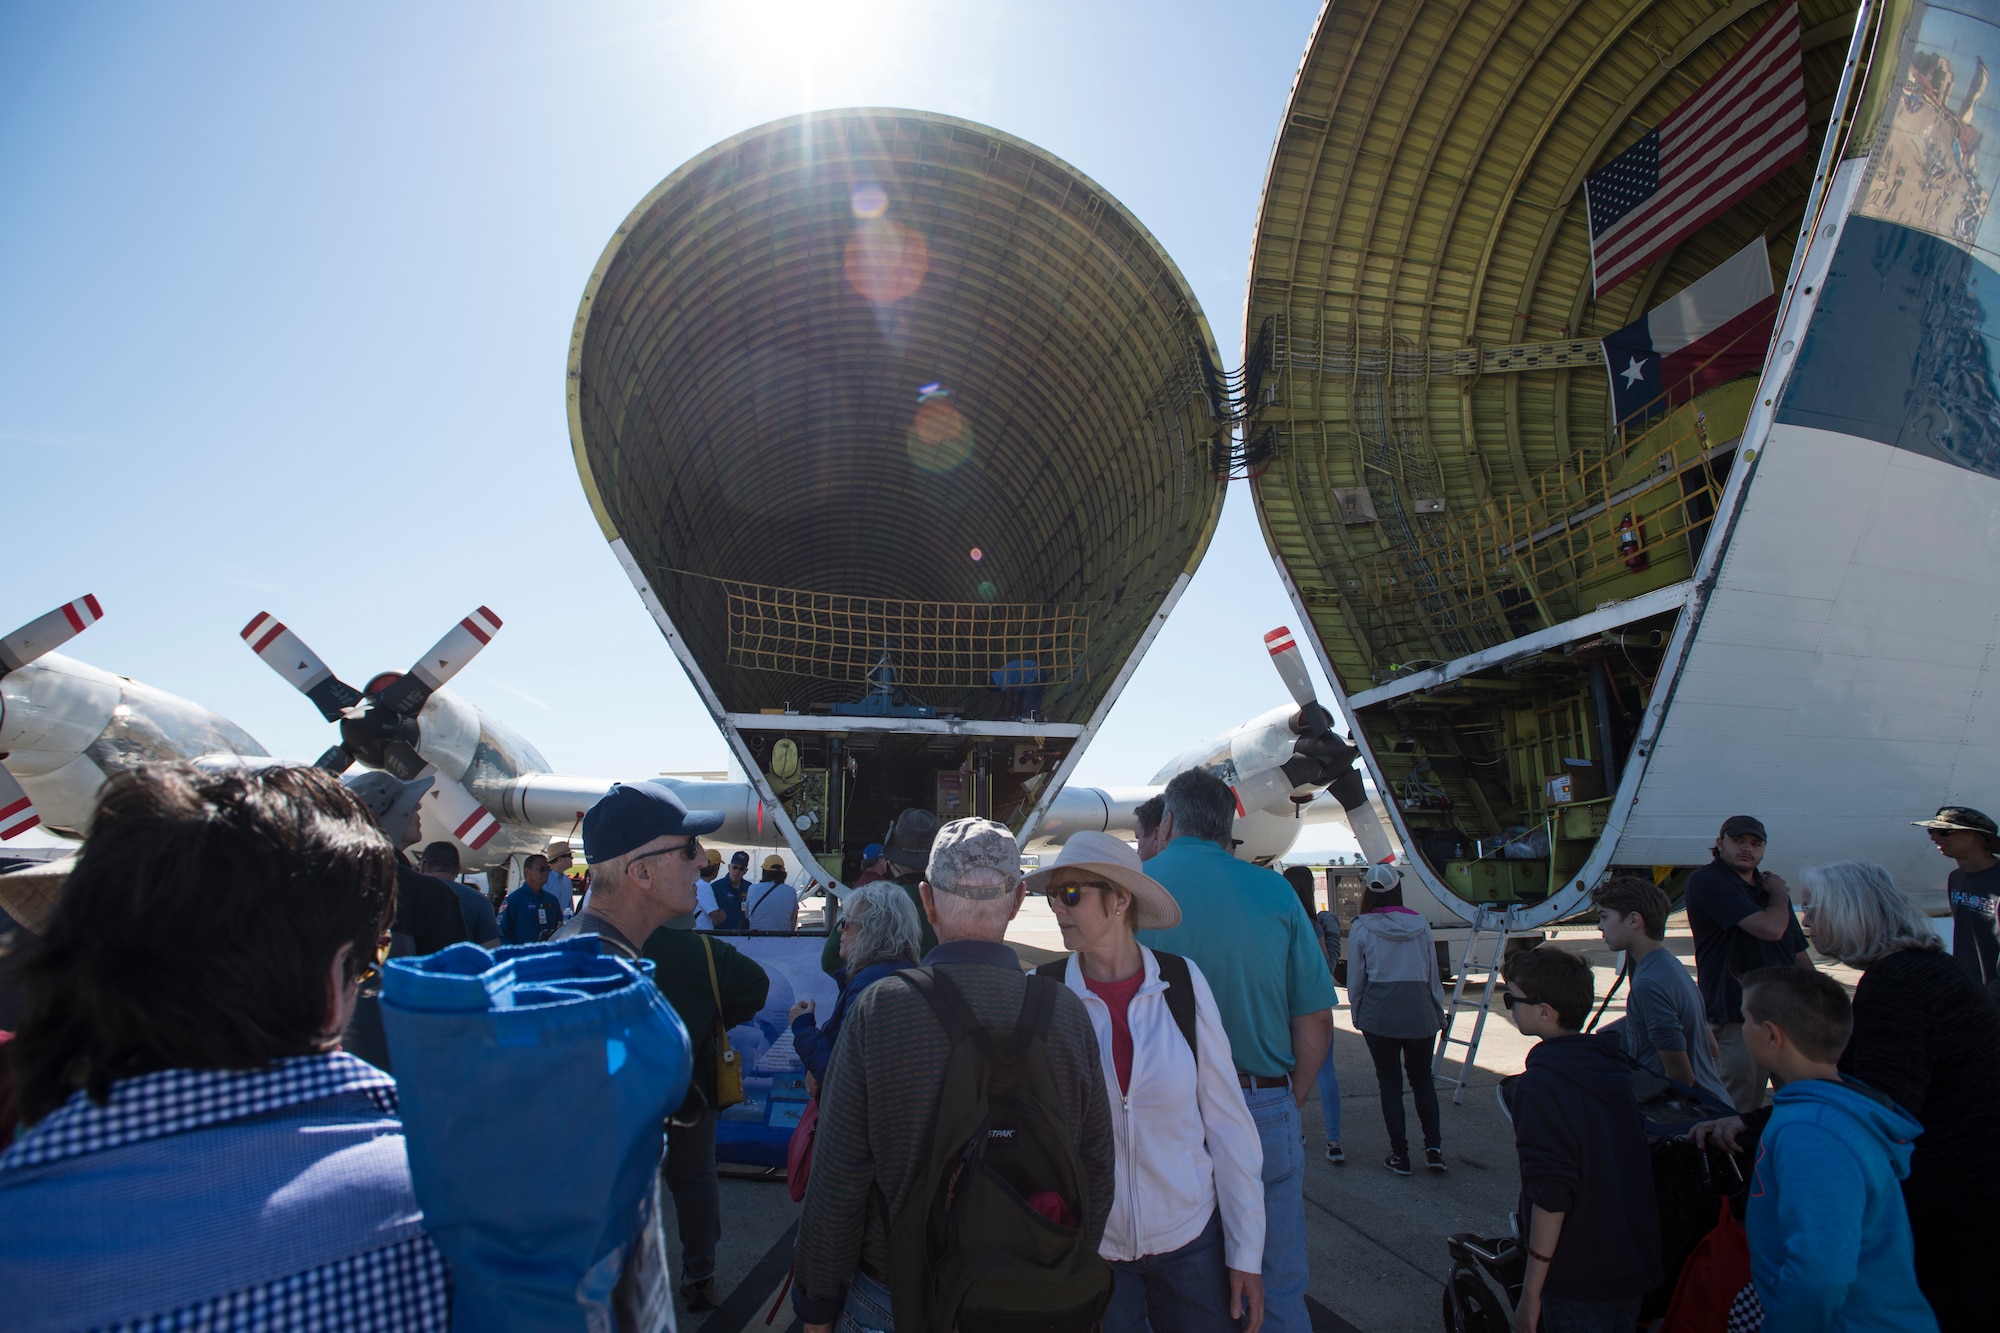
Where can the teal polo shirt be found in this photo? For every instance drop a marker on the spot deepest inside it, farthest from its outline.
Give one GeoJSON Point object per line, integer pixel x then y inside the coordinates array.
{"type": "Point", "coordinates": [1244, 928]}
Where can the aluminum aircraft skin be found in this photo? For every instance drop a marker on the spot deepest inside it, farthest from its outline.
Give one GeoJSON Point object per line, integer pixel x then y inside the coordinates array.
{"type": "Point", "coordinates": [66, 726]}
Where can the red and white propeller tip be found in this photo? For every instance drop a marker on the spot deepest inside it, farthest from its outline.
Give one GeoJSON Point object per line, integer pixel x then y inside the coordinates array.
{"type": "Point", "coordinates": [17, 812]}
{"type": "Point", "coordinates": [460, 645]}
{"type": "Point", "coordinates": [1291, 665]}
{"type": "Point", "coordinates": [45, 634]}
{"type": "Point", "coordinates": [284, 652]}
{"type": "Point", "coordinates": [456, 808]}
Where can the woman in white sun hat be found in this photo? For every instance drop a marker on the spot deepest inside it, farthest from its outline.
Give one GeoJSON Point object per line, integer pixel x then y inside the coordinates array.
{"type": "Point", "coordinates": [1186, 1232]}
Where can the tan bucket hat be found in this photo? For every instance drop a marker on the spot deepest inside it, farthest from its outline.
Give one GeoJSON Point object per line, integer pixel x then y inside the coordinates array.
{"type": "Point", "coordinates": [30, 893]}
{"type": "Point", "coordinates": [1153, 908]}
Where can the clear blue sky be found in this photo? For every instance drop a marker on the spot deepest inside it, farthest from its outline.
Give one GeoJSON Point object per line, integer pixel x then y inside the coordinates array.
{"type": "Point", "coordinates": [289, 291]}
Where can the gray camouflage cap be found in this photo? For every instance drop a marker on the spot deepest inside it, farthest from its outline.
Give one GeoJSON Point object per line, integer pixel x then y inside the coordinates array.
{"type": "Point", "coordinates": [974, 858]}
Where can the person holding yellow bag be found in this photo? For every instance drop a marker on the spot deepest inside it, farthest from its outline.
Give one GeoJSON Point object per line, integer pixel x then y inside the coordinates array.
{"type": "Point", "coordinates": [713, 988]}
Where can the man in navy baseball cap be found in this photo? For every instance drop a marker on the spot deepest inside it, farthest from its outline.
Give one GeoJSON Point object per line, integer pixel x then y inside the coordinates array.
{"type": "Point", "coordinates": [644, 850]}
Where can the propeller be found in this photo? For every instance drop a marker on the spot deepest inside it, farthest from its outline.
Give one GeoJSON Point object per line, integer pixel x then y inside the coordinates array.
{"type": "Point", "coordinates": [379, 725]}
{"type": "Point", "coordinates": [17, 812]}
{"type": "Point", "coordinates": [1320, 756]}
{"type": "Point", "coordinates": [43, 634]}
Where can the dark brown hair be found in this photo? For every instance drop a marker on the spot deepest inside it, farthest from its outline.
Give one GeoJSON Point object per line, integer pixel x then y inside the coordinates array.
{"type": "Point", "coordinates": [1147, 815]}
{"type": "Point", "coordinates": [1626, 894]}
{"type": "Point", "coordinates": [1301, 880]}
{"type": "Point", "coordinates": [1554, 977]}
{"type": "Point", "coordinates": [198, 927]}
{"type": "Point", "coordinates": [1805, 1004]}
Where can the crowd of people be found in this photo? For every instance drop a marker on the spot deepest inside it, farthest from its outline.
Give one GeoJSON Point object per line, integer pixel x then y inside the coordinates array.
{"type": "Point", "coordinates": [209, 1133]}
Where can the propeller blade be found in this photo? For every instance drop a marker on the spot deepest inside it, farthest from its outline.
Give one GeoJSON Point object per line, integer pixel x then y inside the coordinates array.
{"type": "Point", "coordinates": [285, 653]}
{"type": "Point", "coordinates": [335, 761]}
{"type": "Point", "coordinates": [1259, 791]}
{"type": "Point", "coordinates": [17, 812]}
{"type": "Point", "coordinates": [45, 634]}
{"type": "Point", "coordinates": [1291, 665]}
{"type": "Point", "coordinates": [1362, 820]}
{"type": "Point", "coordinates": [446, 659]}
{"type": "Point", "coordinates": [469, 821]}
{"type": "Point", "coordinates": [401, 760]}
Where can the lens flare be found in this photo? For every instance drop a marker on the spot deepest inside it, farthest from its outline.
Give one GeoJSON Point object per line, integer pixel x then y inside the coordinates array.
{"type": "Point", "coordinates": [987, 592]}
{"type": "Point", "coordinates": [977, 555]}
{"type": "Point", "coordinates": [886, 261]}
{"type": "Point", "coordinates": [940, 438]}
{"type": "Point", "coordinates": [869, 200]}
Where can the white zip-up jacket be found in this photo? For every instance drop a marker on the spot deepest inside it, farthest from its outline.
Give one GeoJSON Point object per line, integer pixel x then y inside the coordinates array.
{"type": "Point", "coordinates": [1185, 1140]}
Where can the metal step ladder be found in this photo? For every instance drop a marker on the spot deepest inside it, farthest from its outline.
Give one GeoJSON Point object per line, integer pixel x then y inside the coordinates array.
{"type": "Point", "coordinates": [1491, 927]}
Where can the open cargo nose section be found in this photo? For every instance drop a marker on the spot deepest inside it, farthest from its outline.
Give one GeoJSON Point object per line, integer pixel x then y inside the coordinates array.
{"type": "Point", "coordinates": [1505, 328]}
{"type": "Point", "coordinates": [909, 436]}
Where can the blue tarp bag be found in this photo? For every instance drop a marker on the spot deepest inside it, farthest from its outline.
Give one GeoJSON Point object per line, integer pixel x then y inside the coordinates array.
{"type": "Point", "coordinates": [534, 1081]}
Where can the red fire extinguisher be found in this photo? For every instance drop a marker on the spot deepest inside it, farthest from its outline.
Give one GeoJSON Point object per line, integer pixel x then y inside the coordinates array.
{"type": "Point", "coordinates": [1629, 537]}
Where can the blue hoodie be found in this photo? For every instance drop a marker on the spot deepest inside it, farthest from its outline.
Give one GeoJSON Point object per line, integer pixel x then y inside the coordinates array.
{"type": "Point", "coordinates": [1829, 1239]}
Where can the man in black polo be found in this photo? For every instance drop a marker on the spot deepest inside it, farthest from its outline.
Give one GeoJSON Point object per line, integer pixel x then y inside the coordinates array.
{"type": "Point", "coordinates": [681, 959]}
{"type": "Point", "coordinates": [1742, 920]}
{"type": "Point", "coordinates": [1968, 837]}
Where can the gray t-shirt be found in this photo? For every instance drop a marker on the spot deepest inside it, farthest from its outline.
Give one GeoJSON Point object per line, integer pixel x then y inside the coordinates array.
{"type": "Point", "coordinates": [1664, 1013]}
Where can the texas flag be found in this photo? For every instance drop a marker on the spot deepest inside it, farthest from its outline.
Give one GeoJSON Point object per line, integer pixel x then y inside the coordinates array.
{"type": "Point", "coordinates": [1709, 333]}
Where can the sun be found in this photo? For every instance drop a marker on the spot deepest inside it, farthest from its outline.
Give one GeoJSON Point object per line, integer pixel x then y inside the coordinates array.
{"type": "Point", "coordinates": [822, 42]}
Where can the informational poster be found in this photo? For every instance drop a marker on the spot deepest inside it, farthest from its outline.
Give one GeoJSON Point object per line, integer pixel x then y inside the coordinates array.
{"type": "Point", "coordinates": [756, 1131]}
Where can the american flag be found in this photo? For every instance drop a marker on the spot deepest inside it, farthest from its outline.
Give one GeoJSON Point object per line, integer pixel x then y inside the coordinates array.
{"type": "Point", "coordinates": [1742, 127]}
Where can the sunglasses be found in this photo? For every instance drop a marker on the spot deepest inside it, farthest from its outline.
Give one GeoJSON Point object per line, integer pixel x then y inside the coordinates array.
{"type": "Point", "coordinates": [1069, 895]}
{"type": "Point", "coordinates": [689, 849]}
{"type": "Point", "coordinates": [1508, 999]}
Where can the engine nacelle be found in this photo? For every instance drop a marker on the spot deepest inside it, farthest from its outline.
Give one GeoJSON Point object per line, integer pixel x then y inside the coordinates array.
{"type": "Point", "coordinates": [66, 725]}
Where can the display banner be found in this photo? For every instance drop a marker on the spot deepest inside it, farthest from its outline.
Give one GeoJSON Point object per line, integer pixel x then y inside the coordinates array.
{"type": "Point", "coordinates": [755, 1132]}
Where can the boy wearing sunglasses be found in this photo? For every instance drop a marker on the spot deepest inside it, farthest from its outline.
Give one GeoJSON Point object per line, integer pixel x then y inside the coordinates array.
{"type": "Point", "coordinates": [1587, 1220]}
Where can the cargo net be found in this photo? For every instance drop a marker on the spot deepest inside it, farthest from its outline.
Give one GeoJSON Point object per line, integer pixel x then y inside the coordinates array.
{"type": "Point", "coordinates": [978, 645]}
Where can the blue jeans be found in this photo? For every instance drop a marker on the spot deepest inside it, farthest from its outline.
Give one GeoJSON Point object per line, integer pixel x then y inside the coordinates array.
{"type": "Point", "coordinates": [1285, 1276]}
{"type": "Point", "coordinates": [1329, 1096]}
{"type": "Point", "coordinates": [1560, 1316]}
{"type": "Point", "coordinates": [1181, 1291]}
{"type": "Point", "coordinates": [867, 1309]}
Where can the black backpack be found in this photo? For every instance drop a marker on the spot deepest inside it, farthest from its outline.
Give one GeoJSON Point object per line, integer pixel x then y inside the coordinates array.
{"type": "Point", "coordinates": [967, 1252]}
{"type": "Point", "coordinates": [1180, 990]}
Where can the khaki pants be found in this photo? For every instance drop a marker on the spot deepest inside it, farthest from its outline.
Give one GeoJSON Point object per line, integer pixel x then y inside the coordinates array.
{"type": "Point", "coordinates": [1748, 1086]}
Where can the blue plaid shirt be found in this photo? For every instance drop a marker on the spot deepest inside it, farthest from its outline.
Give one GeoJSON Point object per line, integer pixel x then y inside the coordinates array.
{"type": "Point", "coordinates": [403, 1285]}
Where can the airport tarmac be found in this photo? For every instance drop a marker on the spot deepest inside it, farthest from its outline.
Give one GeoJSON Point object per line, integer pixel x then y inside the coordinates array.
{"type": "Point", "coordinates": [1376, 1240]}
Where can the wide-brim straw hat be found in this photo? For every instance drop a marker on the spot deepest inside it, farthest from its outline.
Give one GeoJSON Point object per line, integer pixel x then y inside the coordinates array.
{"type": "Point", "coordinates": [1112, 859]}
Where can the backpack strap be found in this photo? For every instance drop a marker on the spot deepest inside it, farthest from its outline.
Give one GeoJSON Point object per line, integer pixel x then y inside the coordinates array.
{"type": "Point", "coordinates": [948, 1003]}
{"type": "Point", "coordinates": [1180, 995]}
{"type": "Point", "coordinates": [1173, 971]}
{"type": "Point", "coordinates": [1038, 1008]}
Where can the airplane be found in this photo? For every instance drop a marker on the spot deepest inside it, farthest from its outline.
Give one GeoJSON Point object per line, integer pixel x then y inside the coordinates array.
{"type": "Point", "coordinates": [492, 791]}
{"type": "Point", "coordinates": [1572, 625]}
{"type": "Point", "coordinates": [1283, 767]}
{"type": "Point", "coordinates": [65, 726]}
{"type": "Point", "coordinates": [500, 800]}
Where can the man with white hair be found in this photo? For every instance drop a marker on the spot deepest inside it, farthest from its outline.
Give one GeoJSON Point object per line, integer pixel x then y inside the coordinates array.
{"type": "Point", "coordinates": [881, 1098]}
{"type": "Point", "coordinates": [644, 851]}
